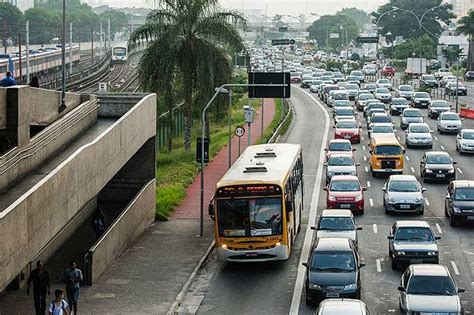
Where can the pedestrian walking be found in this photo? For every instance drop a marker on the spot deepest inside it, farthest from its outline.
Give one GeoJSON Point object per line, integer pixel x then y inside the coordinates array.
{"type": "Point", "coordinates": [58, 306]}
{"type": "Point", "coordinates": [98, 222]}
{"type": "Point", "coordinates": [35, 82]}
{"type": "Point", "coordinates": [8, 80]}
{"type": "Point", "coordinates": [73, 277]}
{"type": "Point", "coordinates": [40, 279]}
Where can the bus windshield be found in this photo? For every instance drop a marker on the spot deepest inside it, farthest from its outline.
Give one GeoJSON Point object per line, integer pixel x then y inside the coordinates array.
{"type": "Point", "coordinates": [249, 217]}
{"type": "Point", "coordinates": [388, 150]}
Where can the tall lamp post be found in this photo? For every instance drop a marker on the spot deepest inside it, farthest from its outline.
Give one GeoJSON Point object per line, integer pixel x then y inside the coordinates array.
{"type": "Point", "coordinates": [377, 31]}
{"type": "Point", "coordinates": [62, 107]}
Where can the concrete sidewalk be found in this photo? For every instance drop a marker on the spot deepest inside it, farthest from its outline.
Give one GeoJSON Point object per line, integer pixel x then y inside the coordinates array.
{"type": "Point", "coordinates": [147, 278]}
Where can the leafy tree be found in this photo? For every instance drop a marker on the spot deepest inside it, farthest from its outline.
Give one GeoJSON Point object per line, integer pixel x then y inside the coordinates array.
{"type": "Point", "coordinates": [43, 25]}
{"type": "Point", "coordinates": [403, 23]}
{"type": "Point", "coordinates": [424, 45]}
{"type": "Point", "coordinates": [360, 17]}
{"type": "Point", "coordinates": [277, 20]}
{"type": "Point", "coordinates": [118, 20]}
{"type": "Point", "coordinates": [466, 24]}
{"type": "Point", "coordinates": [11, 20]}
{"type": "Point", "coordinates": [327, 24]}
{"type": "Point", "coordinates": [188, 47]}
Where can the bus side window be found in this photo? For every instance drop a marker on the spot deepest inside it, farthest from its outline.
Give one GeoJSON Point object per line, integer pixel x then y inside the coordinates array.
{"type": "Point", "coordinates": [289, 196]}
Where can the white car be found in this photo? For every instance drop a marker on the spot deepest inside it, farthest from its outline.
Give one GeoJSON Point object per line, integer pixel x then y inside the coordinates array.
{"type": "Point", "coordinates": [340, 164]}
{"type": "Point", "coordinates": [384, 83]}
{"type": "Point", "coordinates": [337, 223]}
{"type": "Point", "coordinates": [446, 79]}
{"type": "Point", "coordinates": [409, 116]}
{"type": "Point", "coordinates": [369, 70]}
{"type": "Point", "coordinates": [405, 91]}
{"type": "Point", "coordinates": [442, 72]}
{"type": "Point", "coordinates": [449, 122]}
{"type": "Point", "coordinates": [419, 134]}
{"type": "Point", "coordinates": [383, 95]}
{"type": "Point", "coordinates": [359, 74]}
{"type": "Point", "coordinates": [338, 146]}
{"type": "Point", "coordinates": [352, 90]}
{"type": "Point", "coordinates": [381, 128]}
{"type": "Point", "coordinates": [465, 141]}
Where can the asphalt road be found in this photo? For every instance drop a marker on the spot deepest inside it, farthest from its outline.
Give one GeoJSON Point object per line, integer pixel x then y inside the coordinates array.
{"type": "Point", "coordinates": [273, 288]}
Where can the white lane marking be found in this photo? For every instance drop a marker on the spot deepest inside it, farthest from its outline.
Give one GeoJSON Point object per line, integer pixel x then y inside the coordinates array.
{"type": "Point", "coordinates": [365, 159]}
{"type": "Point", "coordinates": [363, 147]}
{"type": "Point", "coordinates": [362, 138]}
{"type": "Point", "coordinates": [455, 268]}
{"type": "Point", "coordinates": [436, 138]}
{"type": "Point", "coordinates": [442, 148]}
{"type": "Point", "coordinates": [460, 171]}
{"type": "Point", "coordinates": [368, 183]}
{"type": "Point", "coordinates": [379, 265]}
{"type": "Point", "coordinates": [374, 227]}
{"type": "Point", "coordinates": [407, 157]}
{"type": "Point", "coordinates": [438, 227]}
{"type": "Point", "coordinates": [366, 169]}
{"type": "Point", "coordinates": [412, 169]}
{"type": "Point", "coordinates": [427, 202]}
{"type": "Point", "coordinates": [371, 201]}
{"type": "Point", "coordinates": [297, 292]}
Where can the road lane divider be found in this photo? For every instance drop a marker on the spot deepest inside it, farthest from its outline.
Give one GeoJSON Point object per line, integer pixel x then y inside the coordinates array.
{"type": "Point", "coordinates": [438, 227]}
{"type": "Point", "coordinates": [455, 268]}
{"type": "Point", "coordinates": [309, 234]}
{"type": "Point", "coordinates": [366, 169]}
{"type": "Point", "coordinates": [379, 265]}
{"type": "Point", "coordinates": [374, 227]}
{"type": "Point", "coordinates": [412, 169]}
{"type": "Point", "coordinates": [442, 148]}
{"type": "Point", "coordinates": [427, 202]}
{"type": "Point", "coordinates": [368, 184]}
{"type": "Point", "coordinates": [407, 157]}
{"type": "Point", "coordinates": [365, 158]}
{"type": "Point", "coordinates": [460, 171]}
{"type": "Point", "coordinates": [436, 138]}
{"type": "Point", "coordinates": [363, 147]}
{"type": "Point", "coordinates": [371, 201]}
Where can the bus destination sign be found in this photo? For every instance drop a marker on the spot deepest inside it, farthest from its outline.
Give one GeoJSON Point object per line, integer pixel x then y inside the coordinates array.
{"type": "Point", "coordinates": [249, 190]}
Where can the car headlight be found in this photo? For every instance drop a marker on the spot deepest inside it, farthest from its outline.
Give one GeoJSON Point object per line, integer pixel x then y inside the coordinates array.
{"type": "Point", "coordinates": [464, 145]}
{"type": "Point", "coordinates": [451, 171]}
{"type": "Point", "coordinates": [432, 253]}
{"type": "Point", "coordinates": [392, 200]}
{"type": "Point", "coordinates": [358, 198]}
{"type": "Point", "coordinates": [418, 199]}
{"type": "Point", "coordinates": [314, 286]}
{"type": "Point", "coordinates": [428, 170]}
{"type": "Point", "coordinates": [332, 198]}
{"type": "Point", "coordinates": [400, 253]}
{"type": "Point", "coordinates": [330, 174]}
{"type": "Point", "coordinates": [456, 210]}
{"type": "Point", "coordinates": [350, 287]}
{"type": "Point", "coordinates": [353, 173]}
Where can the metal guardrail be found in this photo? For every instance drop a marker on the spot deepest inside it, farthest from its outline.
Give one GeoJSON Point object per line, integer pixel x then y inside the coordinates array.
{"type": "Point", "coordinates": [276, 133]}
{"type": "Point", "coordinates": [162, 126]}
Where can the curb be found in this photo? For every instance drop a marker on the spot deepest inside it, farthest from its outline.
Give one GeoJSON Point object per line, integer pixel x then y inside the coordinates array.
{"type": "Point", "coordinates": [179, 298]}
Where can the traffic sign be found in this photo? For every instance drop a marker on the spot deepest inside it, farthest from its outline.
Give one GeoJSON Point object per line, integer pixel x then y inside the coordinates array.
{"type": "Point", "coordinates": [283, 42]}
{"type": "Point", "coordinates": [239, 131]}
{"type": "Point", "coordinates": [269, 91]}
{"type": "Point", "coordinates": [367, 39]}
{"type": "Point", "coordinates": [199, 150]}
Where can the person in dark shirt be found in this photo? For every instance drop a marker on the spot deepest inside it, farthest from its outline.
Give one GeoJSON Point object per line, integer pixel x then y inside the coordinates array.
{"type": "Point", "coordinates": [40, 279]}
{"type": "Point", "coordinates": [8, 80]}
{"type": "Point", "coordinates": [35, 82]}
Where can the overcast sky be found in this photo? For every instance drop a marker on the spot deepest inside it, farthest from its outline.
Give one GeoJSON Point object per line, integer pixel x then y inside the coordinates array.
{"type": "Point", "coordinates": [295, 7]}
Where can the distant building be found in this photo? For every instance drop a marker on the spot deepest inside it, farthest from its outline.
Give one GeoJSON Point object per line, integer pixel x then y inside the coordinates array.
{"type": "Point", "coordinates": [462, 7]}
{"type": "Point", "coordinates": [23, 5]}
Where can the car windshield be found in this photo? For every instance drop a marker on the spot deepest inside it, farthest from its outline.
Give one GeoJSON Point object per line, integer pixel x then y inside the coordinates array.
{"type": "Point", "coordinates": [422, 95]}
{"type": "Point", "coordinates": [468, 135]}
{"type": "Point", "coordinates": [317, 82]}
{"type": "Point", "coordinates": [384, 81]}
{"type": "Point", "coordinates": [376, 106]}
{"type": "Point", "coordinates": [345, 112]}
{"type": "Point", "coordinates": [419, 129]}
{"type": "Point", "coordinates": [450, 117]}
{"type": "Point", "coordinates": [333, 261]}
{"type": "Point", "coordinates": [464, 194]}
{"type": "Point", "coordinates": [340, 146]}
{"type": "Point", "coordinates": [341, 96]}
{"type": "Point", "coordinates": [357, 73]}
{"type": "Point", "coordinates": [430, 78]}
{"type": "Point", "coordinates": [403, 186]}
{"type": "Point", "coordinates": [344, 185]}
{"type": "Point", "coordinates": [342, 103]}
{"type": "Point", "coordinates": [347, 124]}
{"type": "Point", "coordinates": [399, 101]}
{"type": "Point", "coordinates": [405, 88]}
{"type": "Point", "coordinates": [414, 234]}
{"type": "Point", "coordinates": [439, 104]}
{"type": "Point", "coordinates": [249, 217]}
{"type": "Point", "coordinates": [388, 150]}
{"type": "Point", "coordinates": [341, 161]}
{"type": "Point", "coordinates": [380, 119]}
{"type": "Point", "coordinates": [351, 87]}
{"type": "Point", "coordinates": [336, 224]}
{"type": "Point", "coordinates": [382, 91]}
{"type": "Point", "coordinates": [412, 113]}
{"type": "Point", "coordinates": [371, 86]}
{"type": "Point", "coordinates": [431, 285]}
{"type": "Point", "coordinates": [438, 159]}
{"type": "Point", "coordinates": [382, 129]}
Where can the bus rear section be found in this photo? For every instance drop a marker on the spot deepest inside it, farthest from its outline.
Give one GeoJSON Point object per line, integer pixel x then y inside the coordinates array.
{"type": "Point", "coordinates": [119, 55]}
{"type": "Point", "coordinates": [257, 205]}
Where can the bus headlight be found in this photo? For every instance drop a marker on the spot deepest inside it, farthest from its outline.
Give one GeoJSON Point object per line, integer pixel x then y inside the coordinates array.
{"type": "Point", "coordinates": [378, 163]}
{"type": "Point", "coordinates": [277, 244]}
{"type": "Point", "coordinates": [314, 286]}
{"type": "Point", "coordinates": [224, 246]}
{"type": "Point", "coordinates": [398, 163]}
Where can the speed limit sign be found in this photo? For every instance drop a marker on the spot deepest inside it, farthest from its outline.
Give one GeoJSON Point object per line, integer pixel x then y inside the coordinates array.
{"type": "Point", "coordinates": [239, 131]}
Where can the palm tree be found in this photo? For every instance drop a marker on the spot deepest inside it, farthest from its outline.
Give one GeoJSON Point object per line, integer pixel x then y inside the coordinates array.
{"type": "Point", "coordinates": [189, 41]}
{"type": "Point", "coordinates": [466, 26]}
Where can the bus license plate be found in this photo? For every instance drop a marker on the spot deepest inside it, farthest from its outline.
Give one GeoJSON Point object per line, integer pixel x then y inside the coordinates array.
{"type": "Point", "coordinates": [332, 295]}
{"type": "Point", "coordinates": [440, 175]}
{"type": "Point", "coordinates": [251, 254]}
{"type": "Point", "coordinates": [404, 206]}
{"type": "Point", "coordinates": [345, 206]}
{"type": "Point", "coordinates": [470, 217]}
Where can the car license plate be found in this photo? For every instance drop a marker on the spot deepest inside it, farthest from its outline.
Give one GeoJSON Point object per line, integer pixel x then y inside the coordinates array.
{"type": "Point", "coordinates": [404, 206]}
{"type": "Point", "coordinates": [470, 217]}
{"type": "Point", "coordinates": [345, 206]}
{"type": "Point", "coordinates": [416, 261]}
{"type": "Point", "coordinates": [332, 295]}
{"type": "Point", "coordinates": [440, 175]}
{"type": "Point", "coordinates": [347, 137]}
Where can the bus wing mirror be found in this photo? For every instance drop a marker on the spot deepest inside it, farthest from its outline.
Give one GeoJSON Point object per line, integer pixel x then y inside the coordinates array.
{"type": "Point", "coordinates": [289, 206]}
{"type": "Point", "coordinates": [211, 210]}
{"type": "Point", "coordinates": [305, 265]}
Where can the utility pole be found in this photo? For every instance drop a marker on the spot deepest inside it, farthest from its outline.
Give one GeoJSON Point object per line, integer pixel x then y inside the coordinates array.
{"type": "Point", "coordinates": [108, 32]}
{"type": "Point", "coordinates": [19, 57]}
{"type": "Point", "coordinates": [63, 59]}
{"type": "Point", "coordinates": [100, 40]}
{"type": "Point", "coordinates": [70, 48]}
{"type": "Point", "coordinates": [27, 52]}
{"type": "Point", "coordinates": [457, 82]}
{"type": "Point", "coordinates": [92, 46]}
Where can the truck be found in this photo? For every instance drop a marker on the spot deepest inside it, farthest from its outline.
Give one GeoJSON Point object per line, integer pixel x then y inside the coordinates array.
{"type": "Point", "coordinates": [416, 66]}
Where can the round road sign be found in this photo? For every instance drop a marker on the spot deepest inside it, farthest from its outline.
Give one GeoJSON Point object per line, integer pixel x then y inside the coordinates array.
{"type": "Point", "coordinates": [239, 131]}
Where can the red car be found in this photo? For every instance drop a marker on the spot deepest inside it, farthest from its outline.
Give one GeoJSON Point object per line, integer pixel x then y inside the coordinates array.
{"type": "Point", "coordinates": [345, 192]}
{"type": "Point", "coordinates": [388, 71]}
{"type": "Point", "coordinates": [347, 129]}
{"type": "Point", "coordinates": [295, 78]}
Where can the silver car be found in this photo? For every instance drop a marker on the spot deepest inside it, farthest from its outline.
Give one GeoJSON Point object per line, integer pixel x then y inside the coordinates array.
{"type": "Point", "coordinates": [385, 83]}
{"type": "Point", "coordinates": [429, 289]}
{"type": "Point", "coordinates": [383, 95]}
{"type": "Point", "coordinates": [340, 164]}
{"type": "Point", "coordinates": [465, 141]}
{"type": "Point", "coordinates": [410, 115]}
{"type": "Point", "coordinates": [398, 105]}
{"type": "Point", "coordinates": [337, 223]}
{"type": "Point", "coordinates": [405, 91]}
{"type": "Point", "coordinates": [352, 90]}
{"type": "Point", "coordinates": [437, 107]}
{"type": "Point", "coordinates": [449, 122]}
{"type": "Point", "coordinates": [342, 306]}
{"type": "Point", "coordinates": [403, 194]}
{"type": "Point", "coordinates": [419, 135]}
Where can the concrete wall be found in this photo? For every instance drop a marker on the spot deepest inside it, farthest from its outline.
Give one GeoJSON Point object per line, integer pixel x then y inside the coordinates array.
{"type": "Point", "coordinates": [137, 216]}
{"type": "Point", "coordinates": [3, 108]}
{"type": "Point", "coordinates": [28, 224]}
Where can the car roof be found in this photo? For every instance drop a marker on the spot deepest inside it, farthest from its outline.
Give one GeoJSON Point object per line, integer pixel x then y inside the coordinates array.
{"type": "Point", "coordinates": [412, 223]}
{"type": "Point", "coordinates": [411, 109]}
{"type": "Point", "coordinates": [463, 183]}
{"type": "Point", "coordinates": [449, 113]}
{"type": "Point", "coordinates": [342, 306]}
{"type": "Point", "coordinates": [332, 243]}
{"type": "Point", "coordinates": [382, 125]}
{"type": "Point", "coordinates": [379, 114]}
{"type": "Point", "coordinates": [336, 213]}
{"type": "Point", "coordinates": [437, 153]}
{"type": "Point", "coordinates": [339, 141]}
{"type": "Point", "coordinates": [429, 270]}
{"type": "Point", "coordinates": [341, 155]}
{"type": "Point", "coordinates": [467, 130]}
{"type": "Point", "coordinates": [418, 124]}
{"type": "Point", "coordinates": [345, 177]}
{"type": "Point", "coordinates": [402, 177]}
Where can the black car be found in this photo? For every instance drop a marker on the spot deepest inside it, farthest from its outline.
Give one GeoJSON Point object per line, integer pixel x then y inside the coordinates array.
{"type": "Point", "coordinates": [412, 242]}
{"type": "Point", "coordinates": [459, 204]}
{"type": "Point", "coordinates": [428, 81]}
{"type": "Point", "coordinates": [421, 100]}
{"type": "Point", "coordinates": [451, 87]}
{"type": "Point", "coordinates": [437, 107]}
{"type": "Point", "coordinates": [437, 165]}
{"type": "Point", "coordinates": [333, 270]}
{"type": "Point", "coordinates": [469, 76]}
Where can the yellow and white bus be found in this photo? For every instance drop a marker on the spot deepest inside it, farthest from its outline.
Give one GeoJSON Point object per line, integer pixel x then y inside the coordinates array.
{"type": "Point", "coordinates": [257, 204]}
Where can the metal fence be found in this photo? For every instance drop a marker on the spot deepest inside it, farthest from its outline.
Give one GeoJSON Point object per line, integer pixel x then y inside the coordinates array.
{"type": "Point", "coordinates": [163, 126]}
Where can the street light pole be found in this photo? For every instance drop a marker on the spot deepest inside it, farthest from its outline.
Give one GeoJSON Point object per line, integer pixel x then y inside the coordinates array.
{"type": "Point", "coordinates": [63, 58]}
